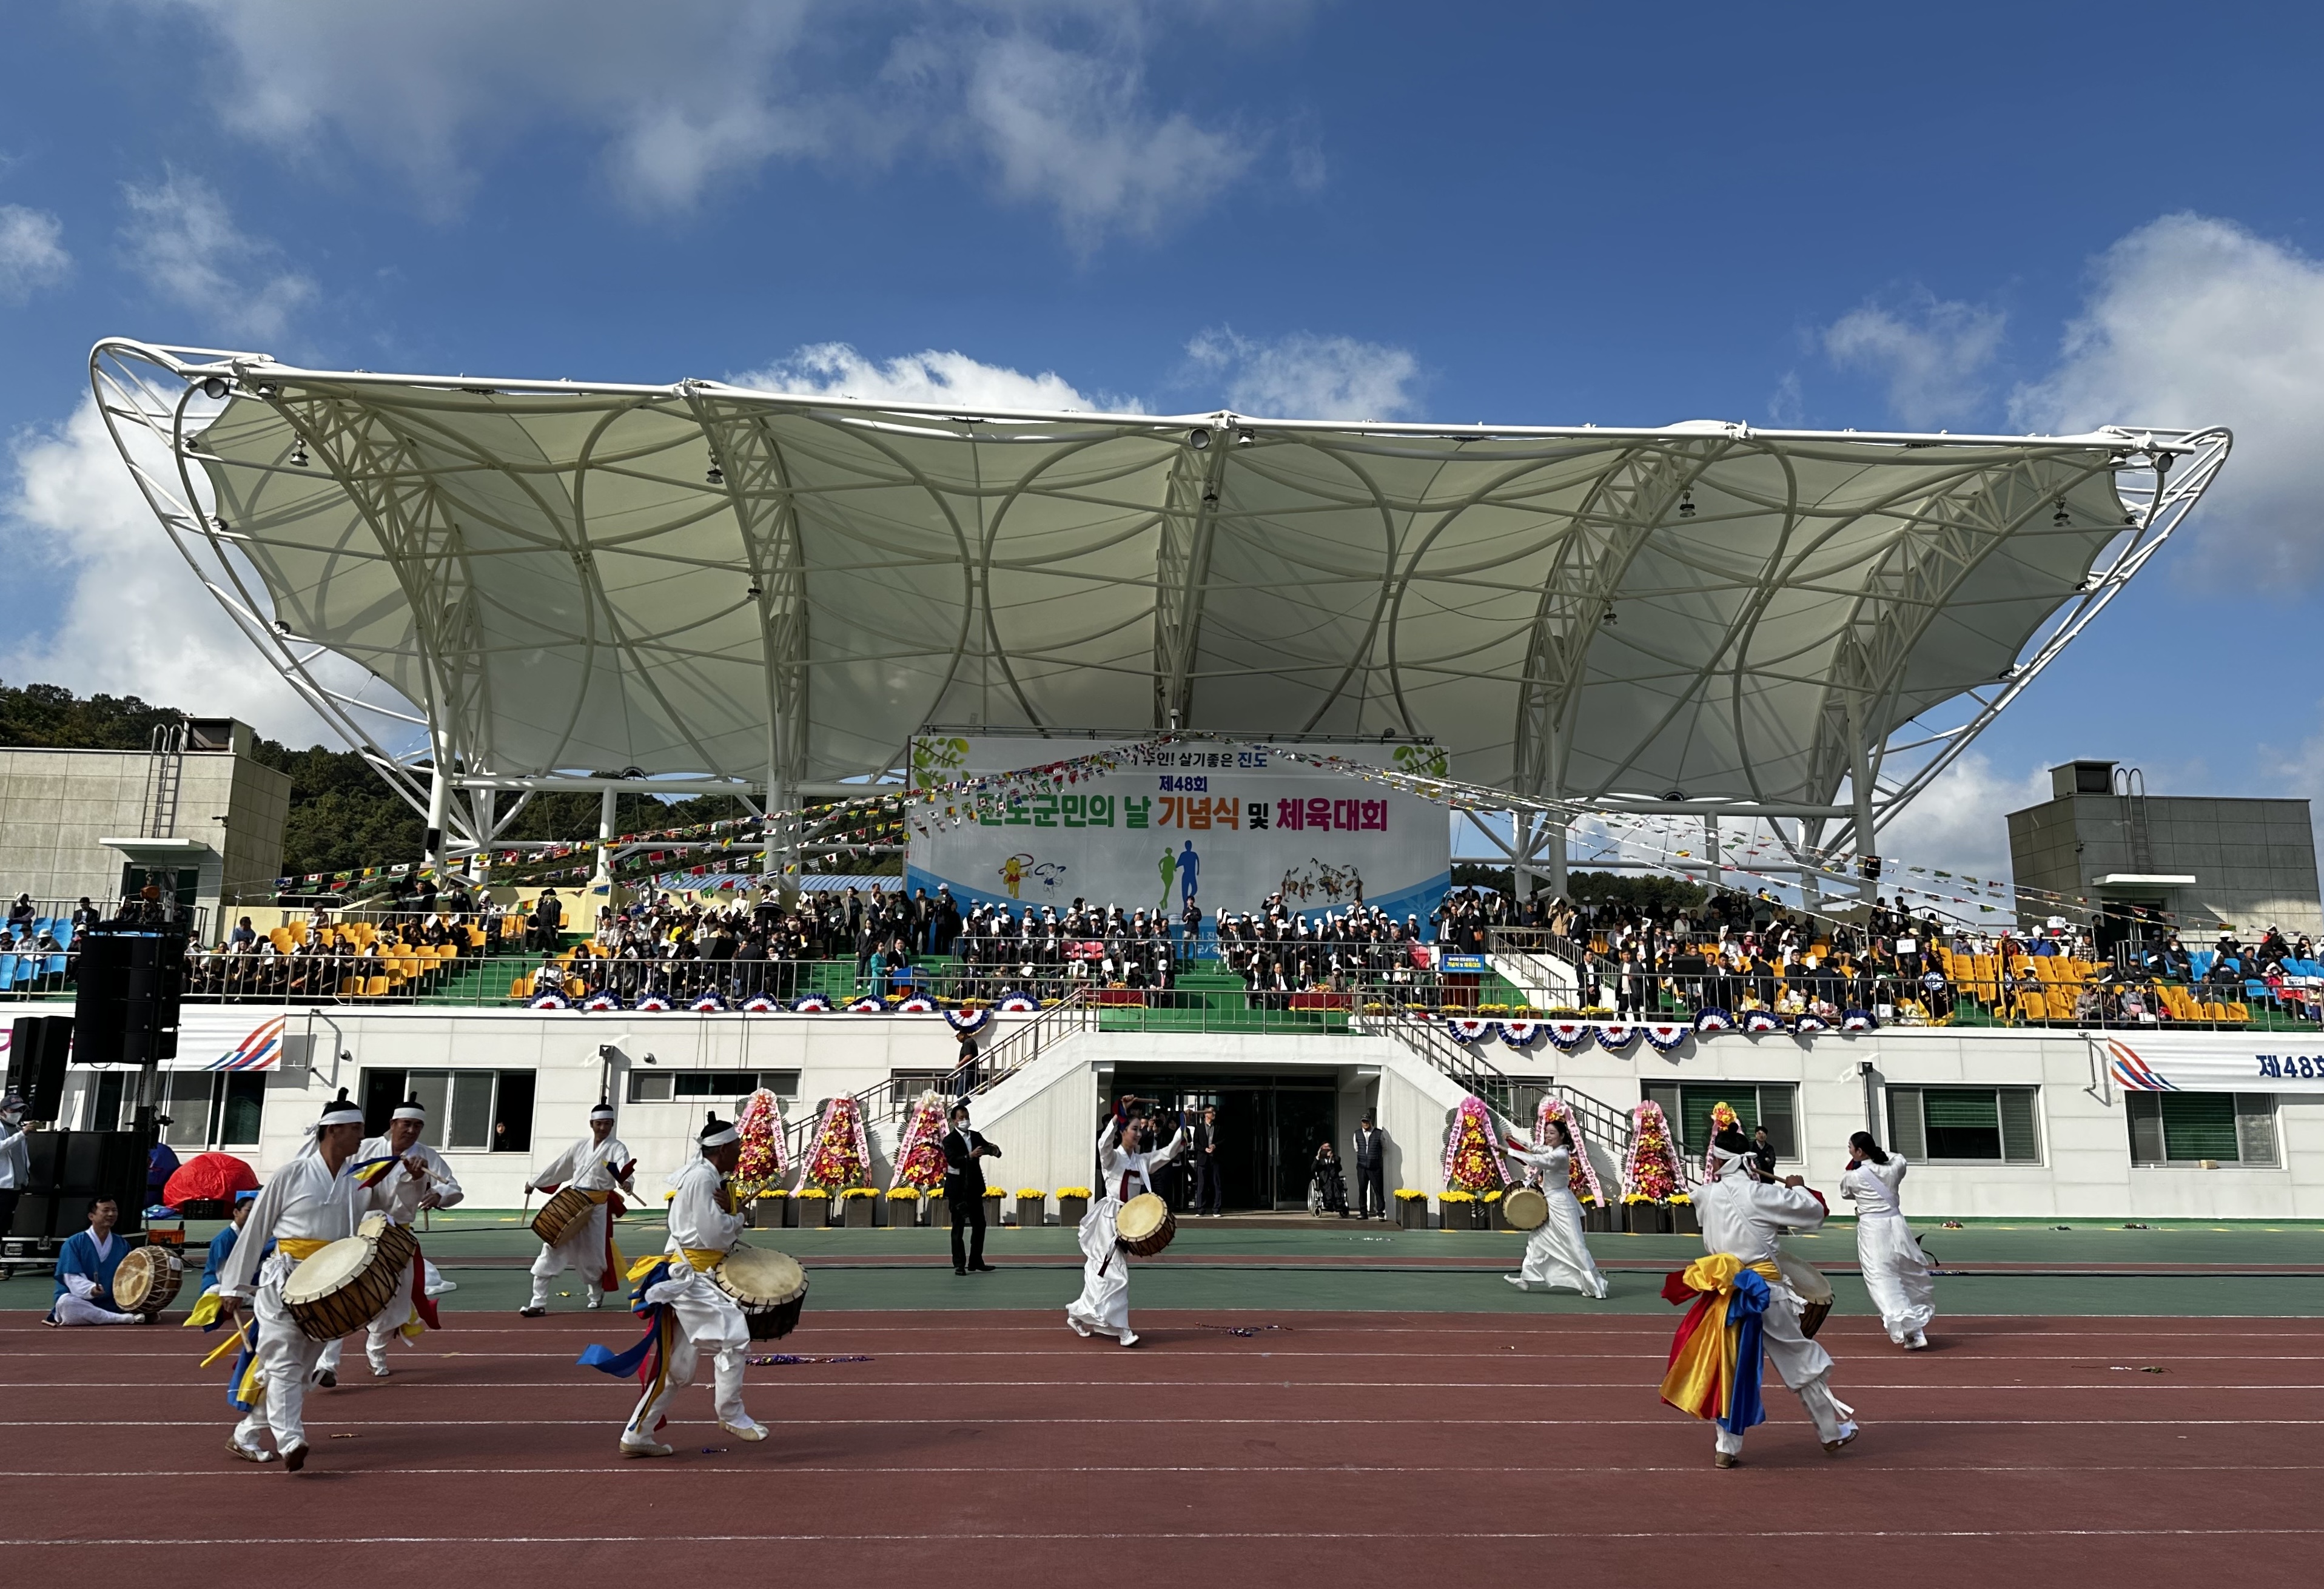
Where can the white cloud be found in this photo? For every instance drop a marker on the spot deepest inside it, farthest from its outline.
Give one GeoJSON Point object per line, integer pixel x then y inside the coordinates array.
{"type": "Point", "coordinates": [32, 251]}
{"type": "Point", "coordinates": [835, 369]}
{"type": "Point", "coordinates": [1958, 823]}
{"type": "Point", "coordinates": [1072, 129]}
{"type": "Point", "coordinates": [1305, 376]}
{"type": "Point", "coordinates": [1050, 100]}
{"type": "Point", "coordinates": [2195, 322]}
{"type": "Point", "coordinates": [188, 249]}
{"type": "Point", "coordinates": [137, 621]}
{"type": "Point", "coordinates": [1932, 353]}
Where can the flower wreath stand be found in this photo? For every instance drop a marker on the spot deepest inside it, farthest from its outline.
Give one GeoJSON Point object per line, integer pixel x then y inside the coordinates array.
{"type": "Point", "coordinates": [1032, 1208]}
{"type": "Point", "coordinates": [859, 1202]}
{"type": "Point", "coordinates": [1642, 1216]}
{"type": "Point", "coordinates": [1073, 1205]}
{"type": "Point", "coordinates": [1684, 1220]}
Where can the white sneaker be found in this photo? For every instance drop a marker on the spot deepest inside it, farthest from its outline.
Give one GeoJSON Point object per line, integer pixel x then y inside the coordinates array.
{"type": "Point", "coordinates": [379, 1369]}
{"type": "Point", "coordinates": [1515, 1279]}
{"type": "Point", "coordinates": [440, 1287]}
{"type": "Point", "coordinates": [1919, 1342]}
{"type": "Point", "coordinates": [596, 1299]}
{"type": "Point", "coordinates": [1079, 1329]}
{"type": "Point", "coordinates": [750, 1429]}
{"type": "Point", "coordinates": [643, 1447]}
{"type": "Point", "coordinates": [1128, 1338]}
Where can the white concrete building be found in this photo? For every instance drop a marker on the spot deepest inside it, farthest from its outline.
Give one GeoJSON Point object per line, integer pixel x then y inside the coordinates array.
{"type": "Point", "coordinates": [2015, 1123]}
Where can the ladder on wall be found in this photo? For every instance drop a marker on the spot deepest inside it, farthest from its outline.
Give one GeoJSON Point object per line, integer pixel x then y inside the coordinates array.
{"type": "Point", "coordinates": [164, 774]}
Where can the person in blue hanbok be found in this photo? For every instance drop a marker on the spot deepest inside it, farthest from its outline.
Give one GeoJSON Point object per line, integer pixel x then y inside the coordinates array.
{"type": "Point", "coordinates": [85, 1268]}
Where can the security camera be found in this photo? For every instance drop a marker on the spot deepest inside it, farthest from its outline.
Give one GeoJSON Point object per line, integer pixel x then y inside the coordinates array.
{"type": "Point", "coordinates": [649, 1059]}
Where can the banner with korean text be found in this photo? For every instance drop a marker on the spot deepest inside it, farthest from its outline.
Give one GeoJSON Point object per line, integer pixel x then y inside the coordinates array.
{"type": "Point", "coordinates": [2149, 1061]}
{"type": "Point", "coordinates": [1221, 827]}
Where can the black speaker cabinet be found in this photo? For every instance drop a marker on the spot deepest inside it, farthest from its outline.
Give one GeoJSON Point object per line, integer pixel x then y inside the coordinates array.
{"type": "Point", "coordinates": [38, 1048]}
{"type": "Point", "coordinates": [126, 998]}
{"type": "Point", "coordinates": [69, 1168]}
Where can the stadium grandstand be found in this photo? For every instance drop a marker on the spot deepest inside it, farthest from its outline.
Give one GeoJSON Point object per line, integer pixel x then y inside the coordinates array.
{"type": "Point", "coordinates": [1068, 657]}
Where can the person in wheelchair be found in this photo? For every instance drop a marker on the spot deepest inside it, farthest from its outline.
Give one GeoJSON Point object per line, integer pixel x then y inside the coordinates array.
{"type": "Point", "coordinates": [1329, 1192]}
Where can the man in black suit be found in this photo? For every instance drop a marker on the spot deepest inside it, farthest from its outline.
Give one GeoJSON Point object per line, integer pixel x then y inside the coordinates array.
{"type": "Point", "coordinates": [1208, 1198]}
{"type": "Point", "coordinates": [964, 1152]}
{"type": "Point", "coordinates": [1371, 1187]}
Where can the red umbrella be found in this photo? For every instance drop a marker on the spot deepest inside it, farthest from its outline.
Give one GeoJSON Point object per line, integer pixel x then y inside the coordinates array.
{"type": "Point", "coordinates": [209, 1177]}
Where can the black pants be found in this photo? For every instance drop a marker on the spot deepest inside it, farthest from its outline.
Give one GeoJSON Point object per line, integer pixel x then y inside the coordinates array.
{"type": "Point", "coordinates": [1371, 1190]}
{"type": "Point", "coordinates": [967, 1214]}
{"type": "Point", "coordinates": [1208, 1198]}
{"type": "Point", "coordinates": [8, 1209]}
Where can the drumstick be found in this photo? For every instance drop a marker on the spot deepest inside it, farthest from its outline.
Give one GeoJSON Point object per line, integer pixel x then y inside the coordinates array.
{"type": "Point", "coordinates": [229, 1343]}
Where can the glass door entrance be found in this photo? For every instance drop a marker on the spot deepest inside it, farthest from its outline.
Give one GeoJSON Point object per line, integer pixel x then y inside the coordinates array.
{"type": "Point", "coordinates": [1269, 1127]}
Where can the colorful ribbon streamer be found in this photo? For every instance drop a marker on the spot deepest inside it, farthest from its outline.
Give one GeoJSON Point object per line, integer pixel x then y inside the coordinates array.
{"type": "Point", "coordinates": [1715, 1367]}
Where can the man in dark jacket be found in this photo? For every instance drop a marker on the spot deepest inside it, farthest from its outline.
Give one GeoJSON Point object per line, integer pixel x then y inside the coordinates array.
{"type": "Point", "coordinates": [964, 1152]}
{"type": "Point", "coordinates": [1371, 1168]}
{"type": "Point", "coordinates": [1208, 1196]}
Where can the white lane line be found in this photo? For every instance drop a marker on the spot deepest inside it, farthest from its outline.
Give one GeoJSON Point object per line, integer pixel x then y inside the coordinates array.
{"type": "Point", "coordinates": [1179, 1349]}
{"type": "Point", "coordinates": [758, 1474]}
{"type": "Point", "coordinates": [407, 1381]}
{"type": "Point", "coordinates": [933, 1536]}
{"type": "Point", "coordinates": [923, 1421]}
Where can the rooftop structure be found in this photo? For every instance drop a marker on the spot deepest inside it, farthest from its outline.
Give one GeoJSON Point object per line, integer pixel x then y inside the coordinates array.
{"type": "Point", "coordinates": [494, 584]}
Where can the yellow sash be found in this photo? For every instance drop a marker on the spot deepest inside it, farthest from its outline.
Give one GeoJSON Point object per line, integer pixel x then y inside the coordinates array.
{"type": "Point", "coordinates": [299, 1248]}
{"type": "Point", "coordinates": [700, 1259]}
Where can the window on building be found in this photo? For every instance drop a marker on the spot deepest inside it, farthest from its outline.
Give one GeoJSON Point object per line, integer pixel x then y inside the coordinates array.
{"type": "Point", "coordinates": [1965, 1125]}
{"type": "Point", "coordinates": [1688, 1106]}
{"type": "Point", "coordinates": [2187, 1128]}
{"type": "Point", "coordinates": [206, 1110]}
{"type": "Point", "coordinates": [468, 1111]}
{"type": "Point", "coordinates": [672, 1086]}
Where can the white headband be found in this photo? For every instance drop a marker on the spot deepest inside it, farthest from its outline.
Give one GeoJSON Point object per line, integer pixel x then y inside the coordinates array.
{"type": "Point", "coordinates": [331, 1117]}
{"type": "Point", "coordinates": [719, 1138]}
{"type": "Point", "coordinates": [409, 1112]}
{"type": "Point", "coordinates": [602, 1112]}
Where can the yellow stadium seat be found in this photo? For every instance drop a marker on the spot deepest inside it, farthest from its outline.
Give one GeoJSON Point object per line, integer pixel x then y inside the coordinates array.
{"type": "Point", "coordinates": [376, 988]}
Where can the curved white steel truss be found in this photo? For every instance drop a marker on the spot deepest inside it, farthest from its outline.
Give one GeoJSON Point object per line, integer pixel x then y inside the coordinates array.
{"type": "Point", "coordinates": [696, 586]}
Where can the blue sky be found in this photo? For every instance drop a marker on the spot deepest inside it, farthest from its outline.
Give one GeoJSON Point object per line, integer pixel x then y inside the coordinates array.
{"type": "Point", "coordinates": [2015, 217]}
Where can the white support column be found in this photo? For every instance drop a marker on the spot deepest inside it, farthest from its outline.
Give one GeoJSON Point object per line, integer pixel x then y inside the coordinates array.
{"type": "Point", "coordinates": [440, 809]}
{"type": "Point", "coordinates": [607, 803]}
{"type": "Point", "coordinates": [1552, 849]}
{"type": "Point", "coordinates": [1860, 787]}
{"type": "Point", "coordinates": [1717, 875]}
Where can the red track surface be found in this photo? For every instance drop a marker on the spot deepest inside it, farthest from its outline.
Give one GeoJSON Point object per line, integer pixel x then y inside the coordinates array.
{"type": "Point", "coordinates": [1350, 1449]}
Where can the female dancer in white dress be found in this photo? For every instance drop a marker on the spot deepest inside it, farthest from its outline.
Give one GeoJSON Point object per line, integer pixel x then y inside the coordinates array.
{"type": "Point", "coordinates": [1556, 1254]}
{"type": "Point", "coordinates": [1895, 1269]}
{"type": "Point", "coordinates": [1103, 1306]}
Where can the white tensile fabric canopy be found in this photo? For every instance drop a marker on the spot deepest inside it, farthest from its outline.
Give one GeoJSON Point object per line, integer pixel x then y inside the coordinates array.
{"type": "Point", "coordinates": [703, 580]}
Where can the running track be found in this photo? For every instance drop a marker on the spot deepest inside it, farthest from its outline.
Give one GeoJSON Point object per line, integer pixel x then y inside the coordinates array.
{"type": "Point", "coordinates": [1346, 1448]}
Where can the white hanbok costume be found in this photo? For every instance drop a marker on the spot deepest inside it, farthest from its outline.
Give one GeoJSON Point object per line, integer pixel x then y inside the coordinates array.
{"type": "Point", "coordinates": [309, 1205]}
{"type": "Point", "coordinates": [1556, 1253]}
{"type": "Point", "coordinates": [699, 1225]}
{"type": "Point", "coordinates": [1746, 1218]}
{"type": "Point", "coordinates": [399, 1192]}
{"type": "Point", "coordinates": [594, 1168]}
{"type": "Point", "coordinates": [1895, 1269]}
{"type": "Point", "coordinates": [1103, 1306]}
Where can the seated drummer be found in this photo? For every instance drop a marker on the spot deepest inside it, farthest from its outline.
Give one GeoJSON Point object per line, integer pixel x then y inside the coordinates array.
{"type": "Point", "coordinates": [85, 1269]}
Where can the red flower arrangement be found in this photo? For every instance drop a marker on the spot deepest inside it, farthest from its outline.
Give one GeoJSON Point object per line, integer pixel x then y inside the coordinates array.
{"type": "Point", "coordinates": [841, 1156]}
{"type": "Point", "coordinates": [1471, 1164]}
{"type": "Point", "coordinates": [764, 1162]}
{"type": "Point", "coordinates": [1650, 1174]}
{"type": "Point", "coordinates": [920, 1155]}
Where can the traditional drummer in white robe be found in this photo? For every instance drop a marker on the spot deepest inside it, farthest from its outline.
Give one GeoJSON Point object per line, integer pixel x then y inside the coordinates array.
{"type": "Point", "coordinates": [601, 1167]}
{"type": "Point", "coordinates": [409, 1176]}
{"type": "Point", "coordinates": [1103, 1306]}
{"type": "Point", "coordinates": [1745, 1215]}
{"type": "Point", "coordinates": [1556, 1254]}
{"type": "Point", "coordinates": [1895, 1269]}
{"type": "Point", "coordinates": [307, 1205]}
{"type": "Point", "coordinates": [703, 1227]}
